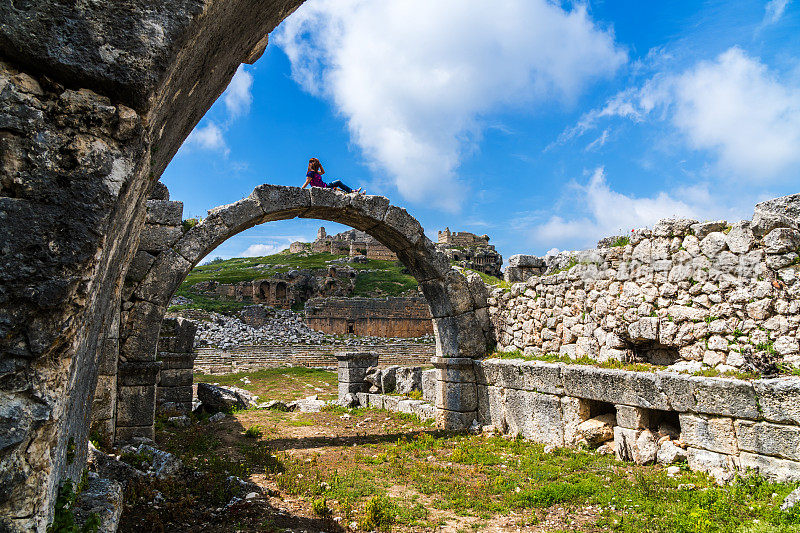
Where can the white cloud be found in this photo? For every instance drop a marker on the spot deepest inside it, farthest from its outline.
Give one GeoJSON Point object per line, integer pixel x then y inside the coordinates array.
{"type": "Point", "coordinates": [413, 77]}
{"type": "Point", "coordinates": [606, 212]}
{"type": "Point", "coordinates": [259, 250]}
{"type": "Point", "coordinates": [238, 95]}
{"type": "Point", "coordinates": [732, 107]}
{"type": "Point", "coordinates": [774, 10]}
{"type": "Point", "coordinates": [736, 108]}
{"type": "Point", "coordinates": [208, 137]}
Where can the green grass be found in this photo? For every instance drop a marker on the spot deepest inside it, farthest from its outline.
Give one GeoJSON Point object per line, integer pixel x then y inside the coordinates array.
{"type": "Point", "coordinates": [491, 280]}
{"type": "Point", "coordinates": [285, 384]}
{"type": "Point", "coordinates": [386, 276]}
{"type": "Point", "coordinates": [556, 358]}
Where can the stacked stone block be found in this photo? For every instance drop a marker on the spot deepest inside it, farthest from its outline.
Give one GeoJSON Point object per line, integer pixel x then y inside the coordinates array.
{"type": "Point", "coordinates": [714, 294]}
{"type": "Point", "coordinates": [726, 425]}
{"type": "Point", "coordinates": [456, 397]}
{"type": "Point", "coordinates": [523, 267]}
{"type": "Point", "coordinates": [105, 398]}
{"type": "Point", "coordinates": [176, 354]}
{"type": "Point", "coordinates": [142, 312]}
{"type": "Point", "coordinates": [352, 369]}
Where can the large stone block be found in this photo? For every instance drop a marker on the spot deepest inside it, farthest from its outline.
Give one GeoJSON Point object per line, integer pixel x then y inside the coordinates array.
{"type": "Point", "coordinates": [782, 240]}
{"type": "Point", "coordinates": [167, 272]}
{"type": "Point", "coordinates": [456, 396]}
{"type": "Point", "coordinates": [574, 411]}
{"type": "Point", "coordinates": [408, 379]}
{"type": "Point", "coordinates": [713, 396]}
{"type": "Point", "coordinates": [132, 373]}
{"type": "Point", "coordinates": [454, 369]}
{"type": "Point", "coordinates": [175, 377]}
{"type": "Point", "coordinates": [535, 416]}
{"type": "Point", "coordinates": [632, 417]}
{"type": "Point", "coordinates": [125, 434]}
{"type": "Point", "coordinates": [454, 420]}
{"type": "Point", "coordinates": [765, 438]}
{"type": "Point", "coordinates": [279, 202]}
{"type": "Point", "coordinates": [179, 398]}
{"type": "Point", "coordinates": [105, 397]}
{"type": "Point", "coordinates": [354, 388]}
{"type": "Point", "coordinates": [709, 433]}
{"type": "Point", "coordinates": [357, 359]}
{"type": "Point", "coordinates": [720, 466]}
{"type": "Point", "coordinates": [429, 385]}
{"type": "Point", "coordinates": [638, 389]}
{"type": "Point", "coordinates": [780, 470]}
{"type": "Point", "coordinates": [241, 214]}
{"type": "Point", "coordinates": [136, 405]}
{"type": "Point", "coordinates": [201, 239]}
{"type": "Point", "coordinates": [779, 399]}
{"type": "Point", "coordinates": [139, 266]}
{"type": "Point", "coordinates": [164, 212]}
{"type": "Point", "coordinates": [155, 237]}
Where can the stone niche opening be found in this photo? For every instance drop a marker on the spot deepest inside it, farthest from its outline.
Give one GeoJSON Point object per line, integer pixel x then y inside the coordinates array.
{"type": "Point", "coordinates": [593, 408]}
{"type": "Point", "coordinates": [662, 422]}
{"type": "Point", "coordinates": [654, 353]}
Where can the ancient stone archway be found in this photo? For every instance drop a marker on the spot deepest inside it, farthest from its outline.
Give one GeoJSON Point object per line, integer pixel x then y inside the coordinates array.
{"type": "Point", "coordinates": [458, 304]}
{"type": "Point", "coordinates": [95, 100]}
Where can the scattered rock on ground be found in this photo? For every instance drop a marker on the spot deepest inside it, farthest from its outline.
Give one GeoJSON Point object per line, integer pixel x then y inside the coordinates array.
{"type": "Point", "coordinates": [598, 430]}
{"type": "Point", "coordinates": [215, 398]}
{"type": "Point", "coordinates": [101, 497]}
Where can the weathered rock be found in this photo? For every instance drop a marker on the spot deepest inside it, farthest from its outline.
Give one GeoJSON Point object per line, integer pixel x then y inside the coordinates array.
{"type": "Point", "coordinates": [215, 398]}
{"type": "Point", "coordinates": [408, 379]}
{"type": "Point", "coordinates": [669, 453]}
{"type": "Point", "coordinates": [349, 400]}
{"type": "Point", "coordinates": [102, 498]}
{"type": "Point", "coordinates": [597, 430]}
{"type": "Point", "coordinates": [389, 379]}
{"type": "Point", "coordinates": [791, 500]}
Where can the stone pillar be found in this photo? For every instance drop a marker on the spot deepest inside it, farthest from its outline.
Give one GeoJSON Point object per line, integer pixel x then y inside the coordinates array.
{"type": "Point", "coordinates": [104, 405]}
{"type": "Point", "coordinates": [143, 309]}
{"type": "Point", "coordinates": [353, 369]}
{"type": "Point", "coordinates": [176, 354]}
{"type": "Point", "coordinates": [136, 399]}
{"type": "Point", "coordinates": [456, 392]}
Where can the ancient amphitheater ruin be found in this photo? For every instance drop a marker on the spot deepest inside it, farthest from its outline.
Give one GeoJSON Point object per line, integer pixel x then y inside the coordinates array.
{"type": "Point", "coordinates": [87, 129]}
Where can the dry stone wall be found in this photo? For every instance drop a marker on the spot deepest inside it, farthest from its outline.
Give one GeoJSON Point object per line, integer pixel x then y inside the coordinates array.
{"type": "Point", "coordinates": [703, 294]}
{"type": "Point", "coordinates": [379, 317]}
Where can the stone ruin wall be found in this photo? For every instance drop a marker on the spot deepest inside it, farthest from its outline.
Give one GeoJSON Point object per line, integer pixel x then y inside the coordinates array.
{"type": "Point", "coordinates": [176, 354]}
{"type": "Point", "coordinates": [724, 426]}
{"type": "Point", "coordinates": [402, 317]}
{"type": "Point", "coordinates": [724, 296]}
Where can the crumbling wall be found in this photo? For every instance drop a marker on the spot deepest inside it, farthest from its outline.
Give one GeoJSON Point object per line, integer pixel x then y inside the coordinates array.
{"type": "Point", "coordinates": [381, 317]}
{"type": "Point", "coordinates": [712, 294]}
{"type": "Point", "coordinates": [176, 354]}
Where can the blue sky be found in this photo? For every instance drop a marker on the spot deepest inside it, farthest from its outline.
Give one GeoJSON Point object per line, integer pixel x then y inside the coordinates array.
{"type": "Point", "coordinates": [546, 125]}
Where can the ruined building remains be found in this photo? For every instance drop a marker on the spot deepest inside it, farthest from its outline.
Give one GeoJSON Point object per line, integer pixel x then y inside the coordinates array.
{"type": "Point", "coordinates": [380, 317]}
{"type": "Point", "coordinates": [285, 290]}
{"type": "Point", "coordinates": [470, 251]}
{"type": "Point", "coordinates": [704, 293]}
{"type": "Point", "coordinates": [351, 243]}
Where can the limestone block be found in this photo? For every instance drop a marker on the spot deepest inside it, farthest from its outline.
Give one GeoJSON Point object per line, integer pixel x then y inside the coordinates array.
{"type": "Point", "coordinates": [240, 214]}
{"type": "Point", "coordinates": [624, 443]}
{"type": "Point", "coordinates": [786, 345]}
{"type": "Point", "coordinates": [455, 369]}
{"type": "Point", "coordinates": [454, 420]}
{"type": "Point", "coordinates": [175, 377]}
{"type": "Point", "coordinates": [407, 231]}
{"type": "Point", "coordinates": [740, 239]}
{"type": "Point", "coordinates": [375, 401]}
{"type": "Point", "coordinates": [139, 266]}
{"type": "Point", "coordinates": [709, 433]}
{"type": "Point", "coordinates": [177, 398]}
{"type": "Point", "coordinates": [535, 416]}
{"type": "Point", "coordinates": [765, 438]}
{"type": "Point", "coordinates": [701, 229]}
{"type": "Point", "coordinates": [408, 379]}
{"type": "Point", "coordinates": [389, 379]}
{"type": "Point", "coordinates": [105, 396]}
{"type": "Point", "coordinates": [171, 360]}
{"type": "Point", "coordinates": [779, 399]}
{"type": "Point", "coordinates": [782, 240]}
{"type": "Point", "coordinates": [408, 406]}
{"type": "Point", "coordinates": [424, 411]}
{"type": "Point", "coordinates": [346, 388]}
{"type": "Point", "coordinates": [357, 359]}
{"type": "Point", "coordinates": [278, 201]}
{"type": "Point", "coordinates": [673, 227]}
{"type": "Point", "coordinates": [202, 238]}
{"type": "Point", "coordinates": [363, 399]}
{"type": "Point", "coordinates": [646, 447]}
{"type": "Point", "coordinates": [429, 385]}
{"type": "Point", "coordinates": [668, 453]}
{"type": "Point", "coordinates": [713, 244]}
{"type": "Point", "coordinates": [639, 389]}
{"type": "Point", "coordinates": [780, 470]}
{"type": "Point", "coordinates": [456, 396]}
{"type": "Point", "coordinates": [632, 417]}
{"type": "Point", "coordinates": [125, 434]}
{"type": "Point", "coordinates": [484, 405]}
{"type": "Point", "coordinates": [366, 207]}
{"type": "Point", "coordinates": [682, 313]}
{"type": "Point", "coordinates": [136, 405]}
{"type": "Point", "coordinates": [714, 396]}
{"type": "Point", "coordinates": [164, 212]}
{"type": "Point", "coordinates": [720, 466]}
{"type": "Point", "coordinates": [645, 329]}
{"type": "Point", "coordinates": [155, 237]}
{"type": "Point", "coordinates": [573, 412]}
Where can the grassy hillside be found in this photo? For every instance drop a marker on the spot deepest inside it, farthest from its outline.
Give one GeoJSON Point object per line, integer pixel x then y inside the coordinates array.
{"type": "Point", "coordinates": [386, 276]}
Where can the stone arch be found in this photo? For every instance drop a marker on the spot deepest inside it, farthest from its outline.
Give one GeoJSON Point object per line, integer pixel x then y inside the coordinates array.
{"type": "Point", "coordinates": [92, 114]}
{"type": "Point", "coordinates": [280, 291]}
{"type": "Point", "coordinates": [458, 304]}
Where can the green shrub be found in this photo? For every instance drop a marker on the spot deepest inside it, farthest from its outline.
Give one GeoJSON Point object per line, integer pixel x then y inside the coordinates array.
{"type": "Point", "coordinates": [254, 432]}
{"type": "Point", "coordinates": [320, 507]}
{"type": "Point", "coordinates": [189, 223]}
{"type": "Point", "coordinates": [621, 241]}
{"type": "Point", "coordinates": [378, 514]}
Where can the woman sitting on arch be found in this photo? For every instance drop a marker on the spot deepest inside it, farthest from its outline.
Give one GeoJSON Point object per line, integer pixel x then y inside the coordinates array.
{"type": "Point", "coordinates": [314, 178]}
